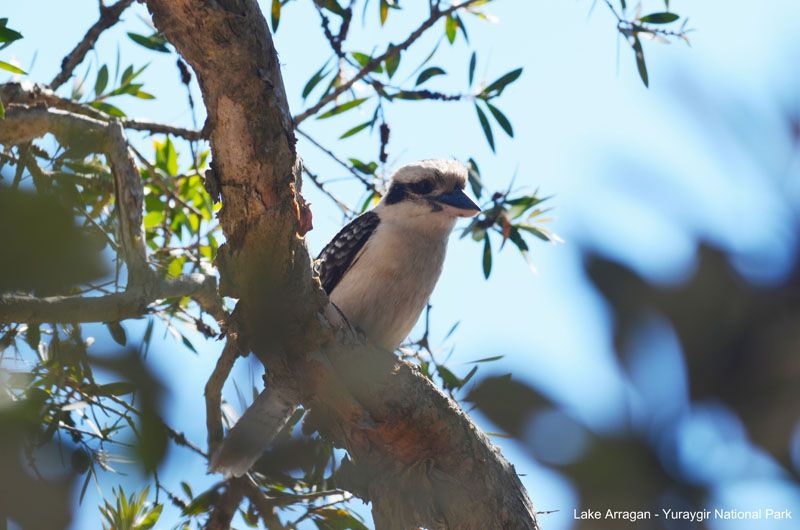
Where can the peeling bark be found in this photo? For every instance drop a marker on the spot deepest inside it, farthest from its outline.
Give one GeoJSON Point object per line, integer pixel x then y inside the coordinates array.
{"type": "Point", "coordinates": [413, 452]}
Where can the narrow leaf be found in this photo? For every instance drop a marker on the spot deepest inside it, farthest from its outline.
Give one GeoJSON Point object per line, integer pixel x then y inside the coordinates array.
{"type": "Point", "coordinates": [188, 344]}
{"type": "Point", "coordinates": [487, 258]}
{"type": "Point", "coordinates": [11, 68]}
{"type": "Point", "coordinates": [392, 63]}
{"type": "Point", "coordinates": [637, 48]}
{"type": "Point", "coordinates": [428, 73]}
{"type": "Point", "coordinates": [33, 336]}
{"type": "Point", "coordinates": [450, 26]}
{"type": "Point", "coordinates": [502, 82]}
{"type": "Point", "coordinates": [276, 14]}
{"type": "Point", "coordinates": [487, 129]}
{"type": "Point", "coordinates": [487, 359]}
{"type": "Point", "coordinates": [2, 111]}
{"type": "Point", "coordinates": [154, 42]}
{"type": "Point", "coordinates": [342, 108]}
{"type": "Point", "coordinates": [472, 61]}
{"type": "Point", "coordinates": [660, 18]}
{"type": "Point", "coordinates": [315, 79]}
{"type": "Point", "coordinates": [102, 80]}
{"type": "Point", "coordinates": [117, 332]}
{"type": "Point", "coordinates": [501, 119]}
{"type": "Point", "coordinates": [384, 11]}
{"type": "Point", "coordinates": [356, 129]}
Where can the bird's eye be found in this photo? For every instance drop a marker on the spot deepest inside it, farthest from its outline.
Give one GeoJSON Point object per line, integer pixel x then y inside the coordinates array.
{"type": "Point", "coordinates": [423, 187]}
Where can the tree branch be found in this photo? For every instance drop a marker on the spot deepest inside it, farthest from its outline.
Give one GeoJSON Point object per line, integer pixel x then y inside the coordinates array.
{"type": "Point", "coordinates": [435, 15]}
{"type": "Point", "coordinates": [130, 203]}
{"type": "Point", "coordinates": [31, 93]}
{"type": "Point", "coordinates": [132, 303]}
{"type": "Point", "coordinates": [108, 17]}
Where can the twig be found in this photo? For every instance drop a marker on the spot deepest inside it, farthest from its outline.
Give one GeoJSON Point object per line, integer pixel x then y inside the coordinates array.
{"type": "Point", "coordinates": [374, 62]}
{"type": "Point", "coordinates": [338, 160]}
{"type": "Point", "coordinates": [349, 212]}
{"type": "Point", "coordinates": [108, 17]}
{"type": "Point", "coordinates": [213, 392]}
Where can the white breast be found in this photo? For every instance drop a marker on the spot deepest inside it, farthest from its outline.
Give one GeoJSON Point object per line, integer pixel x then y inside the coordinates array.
{"type": "Point", "coordinates": [386, 289]}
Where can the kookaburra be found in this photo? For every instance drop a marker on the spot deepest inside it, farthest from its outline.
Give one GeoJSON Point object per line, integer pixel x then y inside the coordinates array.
{"type": "Point", "coordinates": [379, 270]}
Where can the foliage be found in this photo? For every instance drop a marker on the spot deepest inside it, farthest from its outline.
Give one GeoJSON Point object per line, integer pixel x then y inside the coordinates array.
{"type": "Point", "coordinates": [117, 419]}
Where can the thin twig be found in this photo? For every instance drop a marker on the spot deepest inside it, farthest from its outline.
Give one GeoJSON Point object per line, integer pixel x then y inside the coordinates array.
{"type": "Point", "coordinates": [374, 62]}
{"type": "Point", "coordinates": [349, 212]}
{"type": "Point", "coordinates": [213, 393]}
{"type": "Point", "coordinates": [338, 160]}
{"type": "Point", "coordinates": [108, 17]}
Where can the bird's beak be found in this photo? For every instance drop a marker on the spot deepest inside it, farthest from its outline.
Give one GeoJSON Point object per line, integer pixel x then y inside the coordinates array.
{"type": "Point", "coordinates": [459, 200]}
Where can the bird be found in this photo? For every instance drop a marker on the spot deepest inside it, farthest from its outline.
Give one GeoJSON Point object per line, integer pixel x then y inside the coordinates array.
{"type": "Point", "coordinates": [381, 268]}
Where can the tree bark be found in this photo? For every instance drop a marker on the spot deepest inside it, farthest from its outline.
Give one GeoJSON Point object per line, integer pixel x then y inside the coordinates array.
{"type": "Point", "coordinates": [413, 452]}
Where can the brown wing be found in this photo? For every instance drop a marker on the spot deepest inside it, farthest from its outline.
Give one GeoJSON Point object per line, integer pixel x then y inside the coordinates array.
{"type": "Point", "coordinates": [339, 254]}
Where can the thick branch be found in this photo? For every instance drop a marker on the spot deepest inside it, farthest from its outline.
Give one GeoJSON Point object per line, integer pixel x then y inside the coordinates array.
{"type": "Point", "coordinates": [31, 93]}
{"type": "Point", "coordinates": [108, 17]}
{"type": "Point", "coordinates": [376, 61]}
{"type": "Point", "coordinates": [130, 204]}
{"type": "Point", "coordinates": [132, 303]}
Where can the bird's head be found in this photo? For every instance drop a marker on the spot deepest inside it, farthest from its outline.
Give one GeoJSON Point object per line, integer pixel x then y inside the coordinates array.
{"type": "Point", "coordinates": [429, 188]}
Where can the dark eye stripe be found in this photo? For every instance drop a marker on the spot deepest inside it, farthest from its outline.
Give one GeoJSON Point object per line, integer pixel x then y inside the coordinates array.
{"type": "Point", "coordinates": [423, 187]}
{"type": "Point", "coordinates": [397, 192]}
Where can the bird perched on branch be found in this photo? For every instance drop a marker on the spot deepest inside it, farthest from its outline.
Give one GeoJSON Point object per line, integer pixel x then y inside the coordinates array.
{"type": "Point", "coordinates": [381, 268]}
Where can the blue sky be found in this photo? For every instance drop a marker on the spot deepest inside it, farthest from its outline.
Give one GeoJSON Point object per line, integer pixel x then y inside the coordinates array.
{"type": "Point", "coordinates": [637, 174]}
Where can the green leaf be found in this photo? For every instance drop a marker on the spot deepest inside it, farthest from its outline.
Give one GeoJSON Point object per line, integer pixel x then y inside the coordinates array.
{"type": "Point", "coordinates": [188, 344]}
{"type": "Point", "coordinates": [117, 332]}
{"type": "Point", "coordinates": [487, 258]}
{"type": "Point", "coordinates": [11, 68]}
{"type": "Point", "coordinates": [450, 26]}
{"type": "Point", "coordinates": [9, 35]}
{"type": "Point", "coordinates": [154, 42]}
{"type": "Point", "coordinates": [640, 65]}
{"type": "Point", "coordinates": [315, 79]}
{"type": "Point", "coordinates": [449, 379]}
{"type": "Point", "coordinates": [2, 111]}
{"type": "Point", "coordinates": [276, 14]}
{"type": "Point", "coordinates": [108, 108]}
{"type": "Point", "coordinates": [462, 28]}
{"type": "Point", "coordinates": [151, 518]}
{"type": "Point", "coordinates": [501, 119]}
{"type": "Point", "coordinates": [487, 129]}
{"type": "Point", "coordinates": [361, 58]}
{"type": "Point", "coordinates": [356, 129]}
{"type": "Point", "coordinates": [102, 80]}
{"type": "Point", "coordinates": [120, 388]}
{"type": "Point", "coordinates": [500, 84]}
{"type": "Point", "coordinates": [153, 219]}
{"type": "Point", "coordinates": [474, 178]}
{"type": "Point", "coordinates": [472, 61]}
{"type": "Point", "coordinates": [33, 336]}
{"type": "Point", "coordinates": [143, 95]}
{"type": "Point", "coordinates": [342, 108]}
{"type": "Point", "coordinates": [487, 359]}
{"type": "Point", "coordinates": [392, 63]}
{"type": "Point", "coordinates": [659, 18]}
{"type": "Point", "coordinates": [428, 73]}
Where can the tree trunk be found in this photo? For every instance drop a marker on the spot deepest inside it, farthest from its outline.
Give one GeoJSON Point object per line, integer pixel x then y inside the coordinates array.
{"type": "Point", "coordinates": [413, 452]}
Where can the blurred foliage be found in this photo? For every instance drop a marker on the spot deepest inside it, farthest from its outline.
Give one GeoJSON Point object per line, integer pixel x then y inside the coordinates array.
{"type": "Point", "coordinates": [61, 199]}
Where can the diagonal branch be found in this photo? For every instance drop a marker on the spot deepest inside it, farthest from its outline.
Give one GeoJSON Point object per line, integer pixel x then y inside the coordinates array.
{"type": "Point", "coordinates": [373, 63]}
{"type": "Point", "coordinates": [108, 17]}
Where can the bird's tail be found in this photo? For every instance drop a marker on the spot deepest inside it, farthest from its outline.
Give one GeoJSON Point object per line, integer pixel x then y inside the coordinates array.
{"type": "Point", "coordinates": [254, 431]}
